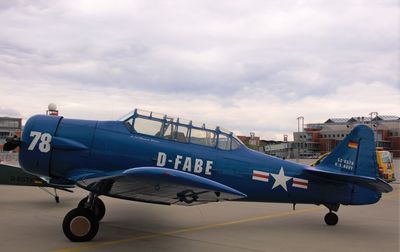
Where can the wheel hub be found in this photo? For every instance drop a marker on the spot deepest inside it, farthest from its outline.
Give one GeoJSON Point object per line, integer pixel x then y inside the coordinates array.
{"type": "Point", "coordinates": [80, 226]}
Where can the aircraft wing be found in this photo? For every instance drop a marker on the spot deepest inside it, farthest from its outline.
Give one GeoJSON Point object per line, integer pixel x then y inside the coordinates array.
{"type": "Point", "coordinates": [156, 185]}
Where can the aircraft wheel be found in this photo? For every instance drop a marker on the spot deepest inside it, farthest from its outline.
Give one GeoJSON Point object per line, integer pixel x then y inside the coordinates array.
{"type": "Point", "coordinates": [98, 208]}
{"type": "Point", "coordinates": [80, 225]}
{"type": "Point", "coordinates": [331, 219]}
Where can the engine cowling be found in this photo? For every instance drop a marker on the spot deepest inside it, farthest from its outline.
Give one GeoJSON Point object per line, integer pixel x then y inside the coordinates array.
{"type": "Point", "coordinates": [35, 146]}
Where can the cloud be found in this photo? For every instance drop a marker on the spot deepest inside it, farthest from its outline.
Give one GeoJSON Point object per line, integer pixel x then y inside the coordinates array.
{"type": "Point", "coordinates": [252, 67]}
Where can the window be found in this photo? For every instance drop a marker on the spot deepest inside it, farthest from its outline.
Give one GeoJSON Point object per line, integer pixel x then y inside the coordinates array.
{"type": "Point", "coordinates": [147, 126]}
{"type": "Point", "coordinates": [386, 158]}
{"type": "Point", "coordinates": [9, 124]}
{"type": "Point", "coordinates": [224, 142]}
{"type": "Point", "coordinates": [169, 130]}
{"type": "Point", "coordinates": [182, 134]}
{"type": "Point", "coordinates": [129, 122]}
{"type": "Point", "coordinates": [235, 144]}
{"type": "Point", "coordinates": [4, 135]}
{"type": "Point", "coordinates": [202, 137]}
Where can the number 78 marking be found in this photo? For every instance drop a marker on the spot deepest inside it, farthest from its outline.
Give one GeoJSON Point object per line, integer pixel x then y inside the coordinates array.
{"type": "Point", "coordinates": [45, 139]}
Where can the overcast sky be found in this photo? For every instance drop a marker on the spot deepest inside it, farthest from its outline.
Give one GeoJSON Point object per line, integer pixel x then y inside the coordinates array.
{"type": "Point", "coordinates": [244, 65]}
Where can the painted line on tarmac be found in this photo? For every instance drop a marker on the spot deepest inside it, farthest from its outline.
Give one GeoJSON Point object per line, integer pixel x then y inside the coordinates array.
{"type": "Point", "coordinates": [189, 230]}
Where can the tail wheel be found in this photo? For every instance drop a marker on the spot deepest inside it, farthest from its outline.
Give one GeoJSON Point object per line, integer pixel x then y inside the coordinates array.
{"type": "Point", "coordinates": [80, 225]}
{"type": "Point", "coordinates": [98, 207]}
{"type": "Point", "coordinates": [331, 219]}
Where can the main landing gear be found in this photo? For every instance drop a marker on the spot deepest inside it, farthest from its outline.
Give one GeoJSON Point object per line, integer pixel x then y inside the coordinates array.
{"type": "Point", "coordinates": [97, 207]}
{"type": "Point", "coordinates": [82, 223]}
{"type": "Point", "coordinates": [331, 219]}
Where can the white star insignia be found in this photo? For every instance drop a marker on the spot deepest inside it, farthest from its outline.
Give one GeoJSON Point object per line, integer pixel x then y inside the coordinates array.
{"type": "Point", "coordinates": [280, 179]}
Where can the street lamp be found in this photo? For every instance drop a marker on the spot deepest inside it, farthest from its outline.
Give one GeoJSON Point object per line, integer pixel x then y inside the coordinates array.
{"type": "Point", "coordinates": [373, 127]}
{"type": "Point", "coordinates": [300, 118]}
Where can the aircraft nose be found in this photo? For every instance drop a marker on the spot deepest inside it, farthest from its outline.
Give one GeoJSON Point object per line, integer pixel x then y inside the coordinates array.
{"type": "Point", "coordinates": [35, 143]}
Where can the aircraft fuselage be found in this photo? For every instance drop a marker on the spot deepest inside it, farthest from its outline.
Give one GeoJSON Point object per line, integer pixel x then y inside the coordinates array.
{"type": "Point", "coordinates": [78, 145]}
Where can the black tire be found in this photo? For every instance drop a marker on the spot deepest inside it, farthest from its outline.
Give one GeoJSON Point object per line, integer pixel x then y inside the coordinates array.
{"type": "Point", "coordinates": [331, 219]}
{"type": "Point", "coordinates": [99, 209]}
{"type": "Point", "coordinates": [80, 225]}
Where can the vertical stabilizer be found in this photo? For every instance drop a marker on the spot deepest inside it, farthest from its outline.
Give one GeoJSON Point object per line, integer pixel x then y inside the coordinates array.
{"type": "Point", "coordinates": [355, 155]}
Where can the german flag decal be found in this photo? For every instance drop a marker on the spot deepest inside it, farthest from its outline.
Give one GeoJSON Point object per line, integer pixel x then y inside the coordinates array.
{"type": "Point", "coordinates": [353, 145]}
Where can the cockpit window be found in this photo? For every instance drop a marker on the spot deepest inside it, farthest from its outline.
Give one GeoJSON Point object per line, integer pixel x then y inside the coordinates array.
{"type": "Point", "coordinates": [169, 130]}
{"type": "Point", "coordinates": [202, 137]}
{"type": "Point", "coordinates": [181, 130]}
{"type": "Point", "coordinates": [129, 122]}
{"type": "Point", "coordinates": [182, 134]}
{"type": "Point", "coordinates": [235, 144]}
{"type": "Point", "coordinates": [174, 131]}
{"type": "Point", "coordinates": [147, 126]}
{"type": "Point", "coordinates": [224, 142]}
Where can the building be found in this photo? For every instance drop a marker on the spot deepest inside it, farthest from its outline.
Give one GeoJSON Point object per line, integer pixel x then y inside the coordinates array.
{"type": "Point", "coordinates": [9, 127]}
{"type": "Point", "coordinates": [278, 148]}
{"type": "Point", "coordinates": [318, 138]}
{"type": "Point", "coordinates": [323, 137]}
{"type": "Point", "coordinates": [251, 141]}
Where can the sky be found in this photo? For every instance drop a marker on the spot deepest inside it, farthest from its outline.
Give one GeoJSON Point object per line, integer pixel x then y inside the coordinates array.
{"type": "Point", "coordinates": [248, 66]}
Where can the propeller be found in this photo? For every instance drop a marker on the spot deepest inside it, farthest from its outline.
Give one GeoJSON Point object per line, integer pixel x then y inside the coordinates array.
{"type": "Point", "coordinates": [11, 143]}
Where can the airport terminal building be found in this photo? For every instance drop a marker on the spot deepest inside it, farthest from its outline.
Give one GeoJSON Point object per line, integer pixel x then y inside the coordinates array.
{"type": "Point", "coordinates": [319, 138]}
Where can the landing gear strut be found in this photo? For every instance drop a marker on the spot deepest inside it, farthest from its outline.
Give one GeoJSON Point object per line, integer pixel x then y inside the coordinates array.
{"type": "Point", "coordinates": [97, 207]}
{"type": "Point", "coordinates": [331, 219]}
{"type": "Point", "coordinates": [82, 223]}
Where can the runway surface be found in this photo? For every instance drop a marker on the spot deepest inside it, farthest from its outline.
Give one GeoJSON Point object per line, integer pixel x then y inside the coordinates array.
{"type": "Point", "coordinates": [30, 220]}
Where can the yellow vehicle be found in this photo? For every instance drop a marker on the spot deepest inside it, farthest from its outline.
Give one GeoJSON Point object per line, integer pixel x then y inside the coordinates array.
{"type": "Point", "coordinates": [320, 158]}
{"type": "Point", "coordinates": [385, 164]}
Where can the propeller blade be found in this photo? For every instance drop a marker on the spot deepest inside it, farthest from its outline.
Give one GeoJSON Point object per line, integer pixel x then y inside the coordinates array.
{"type": "Point", "coordinates": [11, 143]}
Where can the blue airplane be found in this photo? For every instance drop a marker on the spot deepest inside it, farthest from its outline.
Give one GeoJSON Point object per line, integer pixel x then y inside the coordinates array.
{"type": "Point", "coordinates": [154, 158]}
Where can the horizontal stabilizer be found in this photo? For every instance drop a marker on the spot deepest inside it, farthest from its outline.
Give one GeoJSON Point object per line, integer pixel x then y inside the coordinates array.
{"type": "Point", "coordinates": [15, 175]}
{"type": "Point", "coordinates": [375, 184]}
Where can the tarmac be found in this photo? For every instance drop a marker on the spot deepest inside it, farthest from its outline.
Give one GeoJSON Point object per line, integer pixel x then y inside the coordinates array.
{"type": "Point", "coordinates": [30, 220]}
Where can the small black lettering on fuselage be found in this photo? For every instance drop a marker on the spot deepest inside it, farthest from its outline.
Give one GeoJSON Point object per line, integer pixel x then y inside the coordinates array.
{"type": "Point", "coordinates": [19, 179]}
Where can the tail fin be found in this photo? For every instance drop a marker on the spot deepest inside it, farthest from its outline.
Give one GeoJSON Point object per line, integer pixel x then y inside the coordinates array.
{"type": "Point", "coordinates": [354, 161]}
{"type": "Point", "coordinates": [355, 155]}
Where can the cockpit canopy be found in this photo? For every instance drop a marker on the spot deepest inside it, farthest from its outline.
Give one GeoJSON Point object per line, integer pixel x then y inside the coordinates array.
{"type": "Point", "coordinates": [180, 130]}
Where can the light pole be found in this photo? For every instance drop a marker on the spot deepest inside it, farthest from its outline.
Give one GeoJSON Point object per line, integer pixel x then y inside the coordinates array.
{"type": "Point", "coordinates": [372, 125]}
{"type": "Point", "coordinates": [300, 118]}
